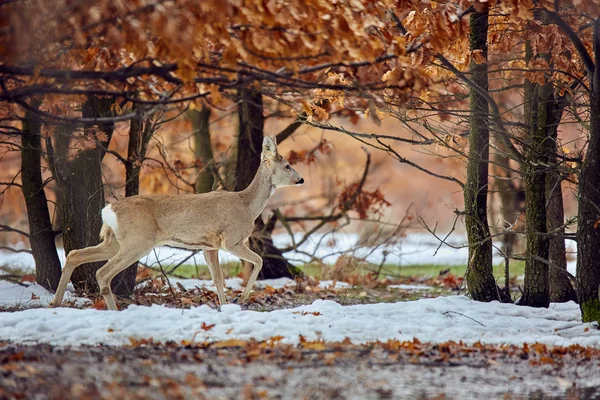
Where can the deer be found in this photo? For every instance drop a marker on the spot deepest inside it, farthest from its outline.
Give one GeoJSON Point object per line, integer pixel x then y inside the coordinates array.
{"type": "Point", "coordinates": [213, 221]}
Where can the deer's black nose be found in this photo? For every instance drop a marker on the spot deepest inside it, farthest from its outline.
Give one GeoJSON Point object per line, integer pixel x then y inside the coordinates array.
{"type": "Point", "coordinates": [301, 181]}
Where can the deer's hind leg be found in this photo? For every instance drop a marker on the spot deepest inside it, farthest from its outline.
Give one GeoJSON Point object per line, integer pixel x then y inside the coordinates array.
{"type": "Point", "coordinates": [103, 251]}
{"type": "Point", "coordinates": [116, 264]}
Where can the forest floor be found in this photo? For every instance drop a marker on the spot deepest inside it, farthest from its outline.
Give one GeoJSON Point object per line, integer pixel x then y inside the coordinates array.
{"type": "Point", "coordinates": [309, 370]}
{"type": "Point", "coordinates": [408, 338]}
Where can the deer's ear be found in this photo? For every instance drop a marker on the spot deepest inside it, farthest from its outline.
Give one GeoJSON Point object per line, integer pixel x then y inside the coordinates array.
{"type": "Point", "coordinates": [269, 146]}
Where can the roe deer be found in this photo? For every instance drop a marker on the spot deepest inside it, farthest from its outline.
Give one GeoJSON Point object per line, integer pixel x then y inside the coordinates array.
{"type": "Point", "coordinates": [209, 222]}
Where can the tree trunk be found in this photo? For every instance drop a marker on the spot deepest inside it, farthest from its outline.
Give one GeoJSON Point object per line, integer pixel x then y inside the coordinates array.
{"type": "Point", "coordinates": [41, 235]}
{"type": "Point", "coordinates": [588, 231]}
{"type": "Point", "coordinates": [536, 290]}
{"type": "Point", "coordinates": [139, 137]}
{"type": "Point", "coordinates": [561, 289]}
{"type": "Point", "coordinates": [480, 278]}
{"type": "Point", "coordinates": [508, 210]}
{"type": "Point", "coordinates": [84, 194]}
{"type": "Point", "coordinates": [202, 148]}
{"type": "Point", "coordinates": [251, 132]}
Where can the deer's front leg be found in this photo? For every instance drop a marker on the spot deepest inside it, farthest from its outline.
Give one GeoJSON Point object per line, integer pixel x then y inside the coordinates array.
{"type": "Point", "coordinates": [212, 261]}
{"type": "Point", "coordinates": [243, 252]}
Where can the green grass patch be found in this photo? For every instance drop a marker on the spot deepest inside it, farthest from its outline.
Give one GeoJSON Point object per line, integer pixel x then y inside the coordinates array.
{"type": "Point", "coordinates": [517, 268]}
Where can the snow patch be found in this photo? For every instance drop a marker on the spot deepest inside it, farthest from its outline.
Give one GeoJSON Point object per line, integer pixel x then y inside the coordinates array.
{"type": "Point", "coordinates": [403, 286]}
{"type": "Point", "coordinates": [237, 283]}
{"type": "Point", "coordinates": [414, 249]}
{"type": "Point", "coordinates": [29, 295]}
{"type": "Point", "coordinates": [429, 320]}
{"type": "Point", "coordinates": [334, 285]}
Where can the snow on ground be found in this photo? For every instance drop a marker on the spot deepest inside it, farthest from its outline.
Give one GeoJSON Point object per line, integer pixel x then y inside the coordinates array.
{"type": "Point", "coordinates": [403, 286]}
{"type": "Point", "coordinates": [436, 320]}
{"type": "Point", "coordinates": [28, 295]}
{"type": "Point", "coordinates": [414, 249]}
{"type": "Point", "coordinates": [31, 294]}
{"type": "Point", "coordinates": [236, 283]}
{"type": "Point", "coordinates": [429, 320]}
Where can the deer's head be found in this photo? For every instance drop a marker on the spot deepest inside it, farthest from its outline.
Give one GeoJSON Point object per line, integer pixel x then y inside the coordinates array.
{"type": "Point", "coordinates": [281, 171]}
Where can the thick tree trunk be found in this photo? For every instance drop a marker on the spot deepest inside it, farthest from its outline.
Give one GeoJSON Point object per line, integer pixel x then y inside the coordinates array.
{"type": "Point", "coordinates": [561, 289]}
{"type": "Point", "coordinates": [251, 132]}
{"type": "Point", "coordinates": [200, 120]}
{"type": "Point", "coordinates": [480, 278]}
{"type": "Point", "coordinates": [250, 138]}
{"type": "Point", "coordinates": [536, 290]}
{"type": "Point", "coordinates": [588, 232]}
{"type": "Point", "coordinates": [84, 195]}
{"type": "Point", "coordinates": [41, 235]}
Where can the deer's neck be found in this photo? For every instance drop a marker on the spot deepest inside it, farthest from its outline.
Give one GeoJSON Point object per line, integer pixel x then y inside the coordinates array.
{"type": "Point", "coordinates": [256, 195]}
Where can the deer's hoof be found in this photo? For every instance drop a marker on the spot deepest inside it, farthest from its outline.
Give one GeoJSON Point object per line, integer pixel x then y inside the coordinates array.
{"type": "Point", "coordinates": [240, 299]}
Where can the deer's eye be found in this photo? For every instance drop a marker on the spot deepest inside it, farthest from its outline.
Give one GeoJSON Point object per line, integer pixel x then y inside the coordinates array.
{"type": "Point", "coordinates": [288, 167]}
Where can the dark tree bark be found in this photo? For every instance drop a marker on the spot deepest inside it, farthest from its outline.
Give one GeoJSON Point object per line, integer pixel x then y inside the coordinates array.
{"type": "Point", "coordinates": [480, 278]}
{"type": "Point", "coordinates": [200, 120]}
{"type": "Point", "coordinates": [251, 133]}
{"type": "Point", "coordinates": [140, 133]}
{"type": "Point", "coordinates": [536, 290]}
{"type": "Point", "coordinates": [588, 232]}
{"type": "Point", "coordinates": [41, 234]}
{"type": "Point", "coordinates": [83, 194]}
{"type": "Point", "coordinates": [561, 289]}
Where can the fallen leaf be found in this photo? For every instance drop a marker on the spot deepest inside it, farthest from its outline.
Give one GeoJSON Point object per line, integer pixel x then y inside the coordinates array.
{"type": "Point", "coordinates": [230, 343]}
{"type": "Point", "coordinates": [206, 327]}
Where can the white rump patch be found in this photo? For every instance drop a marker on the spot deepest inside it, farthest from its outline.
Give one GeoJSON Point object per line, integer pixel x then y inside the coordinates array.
{"type": "Point", "coordinates": [110, 218]}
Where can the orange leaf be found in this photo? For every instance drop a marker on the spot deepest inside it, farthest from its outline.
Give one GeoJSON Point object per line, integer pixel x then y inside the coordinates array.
{"type": "Point", "coordinates": [99, 304]}
{"type": "Point", "coordinates": [206, 327]}
{"type": "Point", "coordinates": [28, 278]}
{"type": "Point", "coordinates": [230, 343]}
